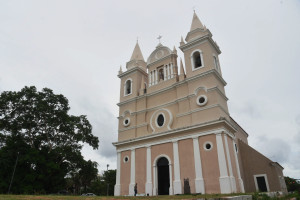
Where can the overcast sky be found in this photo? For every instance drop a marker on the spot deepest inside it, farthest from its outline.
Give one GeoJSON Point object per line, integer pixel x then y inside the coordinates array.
{"type": "Point", "coordinates": [76, 48]}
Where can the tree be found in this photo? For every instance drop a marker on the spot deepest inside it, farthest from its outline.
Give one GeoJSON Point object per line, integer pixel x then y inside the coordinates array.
{"type": "Point", "coordinates": [48, 139]}
{"type": "Point", "coordinates": [109, 177]}
{"type": "Point", "coordinates": [106, 181]}
{"type": "Point", "coordinates": [291, 184]}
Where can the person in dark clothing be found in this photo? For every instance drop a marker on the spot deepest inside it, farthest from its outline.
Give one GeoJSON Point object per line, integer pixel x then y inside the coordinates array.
{"type": "Point", "coordinates": [135, 189]}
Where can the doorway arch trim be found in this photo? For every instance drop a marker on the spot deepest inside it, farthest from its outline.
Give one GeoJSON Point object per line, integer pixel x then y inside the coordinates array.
{"type": "Point", "coordinates": [155, 179]}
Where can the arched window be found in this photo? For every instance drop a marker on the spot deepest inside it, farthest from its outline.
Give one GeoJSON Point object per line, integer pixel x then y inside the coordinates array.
{"type": "Point", "coordinates": [196, 59]}
{"type": "Point", "coordinates": [128, 87]}
{"type": "Point", "coordinates": [216, 63]}
{"type": "Point", "coordinates": [161, 74]}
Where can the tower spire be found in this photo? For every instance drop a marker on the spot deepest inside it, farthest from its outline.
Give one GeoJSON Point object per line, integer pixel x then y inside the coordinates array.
{"type": "Point", "coordinates": [196, 23]}
{"type": "Point", "coordinates": [142, 87]}
{"type": "Point", "coordinates": [181, 68]}
{"type": "Point", "coordinates": [137, 53]}
{"type": "Point", "coordinates": [182, 73]}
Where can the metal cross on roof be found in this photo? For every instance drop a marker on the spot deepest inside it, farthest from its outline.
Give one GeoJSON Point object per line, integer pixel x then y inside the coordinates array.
{"type": "Point", "coordinates": [159, 37]}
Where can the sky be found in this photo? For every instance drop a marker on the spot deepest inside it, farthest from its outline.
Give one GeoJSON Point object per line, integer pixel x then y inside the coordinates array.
{"type": "Point", "coordinates": [76, 47]}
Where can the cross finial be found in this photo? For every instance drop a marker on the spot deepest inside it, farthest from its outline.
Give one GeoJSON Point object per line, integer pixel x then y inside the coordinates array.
{"type": "Point", "coordinates": [194, 8]}
{"type": "Point", "coordinates": [137, 39]}
{"type": "Point", "coordinates": [159, 37]}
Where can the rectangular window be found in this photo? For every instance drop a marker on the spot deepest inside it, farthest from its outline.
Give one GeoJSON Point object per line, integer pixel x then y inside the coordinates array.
{"type": "Point", "coordinates": [261, 183]}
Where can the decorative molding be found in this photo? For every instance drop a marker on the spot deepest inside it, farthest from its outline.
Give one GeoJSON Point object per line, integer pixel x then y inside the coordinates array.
{"type": "Point", "coordinates": [219, 91]}
{"type": "Point", "coordinates": [200, 88]}
{"type": "Point", "coordinates": [200, 109]}
{"type": "Point", "coordinates": [132, 71]}
{"type": "Point", "coordinates": [211, 146]}
{"type": "Point", "coordinates": [155, 192]}
{"type": "Point", "coordinates": [132, 127]}
{"type": "Point", "coordinates": [174, 102]}
{"type": "Point", "coordinates": [205, 100]}
{"type": "Point", "coordinates": [266, 180]}
{"type": "Point", "coordinates": [177, 84]}
{"type": "Point", "coordinates": [165, 121]}
{"type": "Point", "coordinates": [188, 128]}
{"type": "Point", "coordinates": [193, 62]}
{"type": "Point", "coordinates": [163, 141]}
{"type": "Point", "coordinates": [199, 40]}
{"type": "Point", "coordinates": [131, 83]}
{"type": "Point", "coordinates": [124, 121]}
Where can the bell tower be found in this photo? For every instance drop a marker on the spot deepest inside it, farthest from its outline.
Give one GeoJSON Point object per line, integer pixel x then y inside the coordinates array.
{"type": "Point", "coordinates": [133, 84]}
{"type": "Point", "coordinates": [200, 50]}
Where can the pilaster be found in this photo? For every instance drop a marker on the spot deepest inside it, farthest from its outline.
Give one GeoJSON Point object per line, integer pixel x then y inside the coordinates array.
{"type": "Point", "coordinates": [199, 182]}
{"type": "Point", "coordinates": [241, 184]}
{"type": "Point", "coordinates": [232, 179]}
{"type": "Point", "coordinates": [177, 181]}
{"type": "Point", "coordinates": [117, 191]}
{"type": "Point", "coordinates": [132, 173]}
{"type": "Point", "coordinates": [225, 183]}
{"type": "Point", "coordinates": [148, 186]}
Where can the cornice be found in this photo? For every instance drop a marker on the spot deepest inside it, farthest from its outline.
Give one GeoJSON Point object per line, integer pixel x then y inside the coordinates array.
{"type": "Point", "coordinates": [177, 84]}
{"type": "Point", "coordinates": [200, 109]}
{"type": "Point", "coordinates": [161, 59]}
{"type": "Point", "coordinates": [130, 71]}
{"type": "Point", "coordinates": [200, 40]}
{"type": "Point", "coordinates": [132, 127]}
{"type": "Point", "coordinates": [178, 130]}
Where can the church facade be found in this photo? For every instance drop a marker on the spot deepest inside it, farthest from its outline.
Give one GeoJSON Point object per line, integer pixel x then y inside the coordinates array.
{"type": "Point", "coordinates": [175, 130]}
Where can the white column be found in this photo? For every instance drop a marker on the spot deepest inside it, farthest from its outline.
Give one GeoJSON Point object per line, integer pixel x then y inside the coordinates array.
{"type": "Point", "coordinates": [148, 186]}
{"type": "Point", "coordinates": [177, 181]}
{"type": "Point", "coordinates": [132, 173]}
{"type": "Point", "coordinates": [152, 74]}
{"type": "Point", "coordinates": [165, 73]}
{"type": "Point", "coordinates": [232, 179]}
{"type": "Point", "coordinates": [224, 178]}
{"type": "Point", "coordinates": [117, 191]}
{"type": "Point", "coordinates": [149, 78]}
{"type": "Point", "coordinates": [238, 170]}
{"type": "Point", "coordinates": [172, 70]}
{"type": "Point", "coordinates": [156, 77]}
{"type": "Point", "coordinates": [169, 73]}
{"type": "Point", "coordinates": [171, 179]}
{"type": "Point", "coordinates": [154, 191]}
{"type": "Point", "coordinates": [199, 182]}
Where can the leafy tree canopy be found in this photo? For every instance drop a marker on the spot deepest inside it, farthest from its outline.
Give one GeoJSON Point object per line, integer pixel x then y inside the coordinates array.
{"type": "Point", "coordinates": [37, 127]}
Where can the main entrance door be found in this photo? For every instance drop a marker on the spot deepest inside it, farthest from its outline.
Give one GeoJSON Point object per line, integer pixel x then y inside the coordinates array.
{"type": "Point", "coordinates": [163, 177]}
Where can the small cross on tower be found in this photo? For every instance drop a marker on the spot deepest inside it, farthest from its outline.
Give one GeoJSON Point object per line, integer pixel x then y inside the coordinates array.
{"type": "Point", "coordinates": [159, 37]}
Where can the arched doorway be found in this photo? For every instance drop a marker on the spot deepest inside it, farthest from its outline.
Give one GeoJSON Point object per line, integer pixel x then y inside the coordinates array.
{"type": "Point", "coordinates": [163, 177]}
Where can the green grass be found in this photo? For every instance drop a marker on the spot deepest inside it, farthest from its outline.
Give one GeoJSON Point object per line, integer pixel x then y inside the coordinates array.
{"type": "Point", "coordinates": [256, 196]}
{"type": "Point", "coordinates": [54, 197]}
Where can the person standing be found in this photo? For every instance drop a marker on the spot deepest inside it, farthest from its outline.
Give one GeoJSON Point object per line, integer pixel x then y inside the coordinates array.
{"type": "Point", "coordinates": [135, 189]}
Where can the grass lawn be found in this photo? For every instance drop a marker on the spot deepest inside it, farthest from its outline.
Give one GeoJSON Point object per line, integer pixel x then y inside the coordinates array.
{"type": "Point", "coordinates": [54, 197]}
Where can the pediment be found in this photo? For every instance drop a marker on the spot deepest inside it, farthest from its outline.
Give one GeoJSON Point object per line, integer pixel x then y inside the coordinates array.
{"type": "Point", "coordinates": [159, 53]}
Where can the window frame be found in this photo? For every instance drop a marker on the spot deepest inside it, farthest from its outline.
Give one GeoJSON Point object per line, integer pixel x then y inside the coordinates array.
{"type": "Point", "coordinates": [266, 180]}
{"type": "Point", "coordinates": [157, 125]}
{"type": "Point", "coordinates": [193, 62]}
{"type": "Point", "coordinates": [125, 87]}
{"type": "Point", "coordinates": [211, 145]}
{"type": "Point", "coordinates": [216, 62]}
